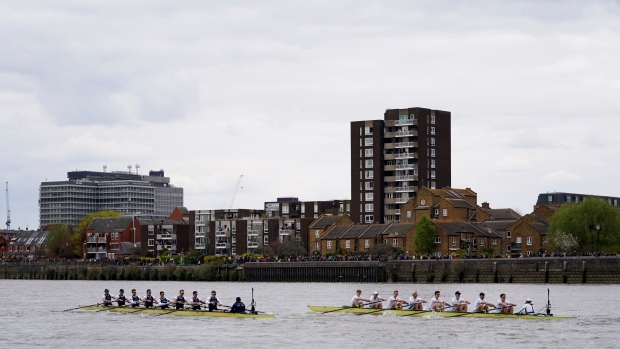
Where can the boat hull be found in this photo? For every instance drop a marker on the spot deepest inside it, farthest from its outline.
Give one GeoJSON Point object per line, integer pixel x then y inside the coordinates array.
{"type": "Point", "coordinates": [421, 313]}
{"type": "Point", "coordinates": [129, 310]}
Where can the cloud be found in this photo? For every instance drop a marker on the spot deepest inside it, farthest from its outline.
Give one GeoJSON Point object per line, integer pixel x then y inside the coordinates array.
{"type": "Point", "coordinates": [561, 176]}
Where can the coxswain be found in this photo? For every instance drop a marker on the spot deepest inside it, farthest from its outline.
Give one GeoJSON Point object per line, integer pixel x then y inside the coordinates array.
{"type": "Point", "coordinates": [134, 299]}
{"type": "Point", "coordinates": [480, 305]}
{"type": "Point", "coordinates": [527, 308]}
{"type": "Point", "coordinates": [195, 302]}
{"type": "Point", "coordinates": [357, 300]}
{"type": "Point", "coordinates": [437, 303]}
{"type": "Point", "coordinates": [214, 302]}
{"type": "Point", "coordinates": [163, 302]}
{"type": "Point", "coordinates": [394, 302]}
{"type": "Point", "coordinates": [120, 299]}
{"type": "Point", "coordinates": [107, 298]}
{"type": "Point", "coordinates": [458, 303]}
{"type": "Point", "coordinates": [415, 302]}
{"type": "Point", "coordinates": [238, 306]}
{"type": "Point", "coordinates": [148, 299]}
{"type": "Point", "coordinates": [179, 301]}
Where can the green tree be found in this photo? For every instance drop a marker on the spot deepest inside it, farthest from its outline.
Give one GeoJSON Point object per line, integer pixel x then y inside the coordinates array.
{"type": "Point", "coordinates": [424, 238]}
{"type": "Point", "coordinates": [79, 235]}
{"type": "Point", "coordinates": [594, 223]}
{"type": "Point", "coordinates": [286, 249]}
{"type": "Point", "coordinates": [58, 238]}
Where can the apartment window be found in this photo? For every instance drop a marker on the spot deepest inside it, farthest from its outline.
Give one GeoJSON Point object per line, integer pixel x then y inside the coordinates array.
{"type": "Point", "coordinates": [370, 207]}
{"type": "Point", "coordinates": [518, 239]}
{"type": "Point", "coordinates": [369, 218]}
{"type": "Point", "coordinates": [395, 242]}
{"type": "Point", "coordinates": [366, 243]}
{"type": "Point", "coordinates": [369, 163]}
{"type": "Point", "coordinates": [432, 173]}
{"type": "Point", "coordinates": [368, 141]}
{"type": "Point", "coordinates": [432, 141]}
{"type": "Point", "coordinates": [369, 175]}
{"type": "Point", "coordinates": [151, 231]}
{"type": "Point", "coordinates": [329, 244]}
{"type": "Point", "coordinates": [433, 152]}
{"type": "Point", "coordinates": [265, 240]}
{"type": "Point", "coordinates": [347, 244]}
{"type": "Point", "coordinates": [437, 240]}
{"type": "Point", "coordinates": [151, 242]}
{"type": "Point", "coordinates": [368, 130]}
{"type": "Point", "coordinates": [284, 208]}
{"type": "Point", "coordinates": [369, 186]}
{"type": "Point", "coordinates": [432, 163]}
{"type": "Point", "coordinates": [494, 241]}
{"type": "Point", "coordinates": [529, 241]}
{"type": "Point", "coordinates": [550, 198]}
{"type": "Point", "coordinates": [368, 152]}
{"type": "Point", "coordinates": [316, 207]}
{"type": "Point", "coordinates": [303, 208]}
{"type": "Point", "coordinates": [432, 130]}
{"type": "Point", "coordinates": [454, 241]}
{"type": "Point", "coordinates": [508, 234]}
{"type": "Point", "coordinates": [369, 196]}
{"type": "Point", "coordinates": [433, 119]}
{"type": "Point", "coordinates": [433, 184]}
{"type": "Point", "coordinates": [316, 233]}
{"type": "Point", "coordinates": [445, 212]}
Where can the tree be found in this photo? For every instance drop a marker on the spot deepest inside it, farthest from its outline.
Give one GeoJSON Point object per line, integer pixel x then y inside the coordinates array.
{"type": "Point", "coordinates": [560, 241]}
{"type": "Point", "coordinates": [286, 249]}
{"type": "Point", "coordinates": [594, 223]}
{"type": "Point", "coordinates": [380, 250]}
{"type": "Point", "coordinates": [424, 238]}
{"type": "Point", "coordinates": [58, 238]}
{"type": "Point", "coordinates": [79, 236]}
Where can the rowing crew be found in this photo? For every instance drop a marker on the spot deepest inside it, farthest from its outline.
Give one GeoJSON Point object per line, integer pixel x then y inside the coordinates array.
{"type": "Point", "coordinates": [178, 303]}
{"type": "Point", "coordinates": [436, 303]}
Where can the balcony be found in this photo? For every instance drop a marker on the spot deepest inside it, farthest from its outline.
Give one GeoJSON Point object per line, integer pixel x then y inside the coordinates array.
{"type": "Point", "coordinates": [389, 189]}
{"type": "Point", "coordinates": [405, 189]}
{"type": "Point", "coordinates": [405, 167]}
{"type": "Point", "coordinates": [397, 211]}
{"type": "Point", "coordinates": [200, 234]}
{"type": "Point", "coordinates": [221, 233]}
{"type": "Point", "coordinates": [252, 233]}
{"type": "Point", "coordinates": [389, 156]}
{"type": "Point", "coordinates": [95, 250]}
{"type": "Point", "coordinates": [406, 133]}
{"type": "Point", "coordinates": [200, 246]}
{"type": "Point", "coordinates": [389, 167]}
{"type": "Point", "coordinates": [166, 236]}
{"type": "Point", "coordinates": [200, 222]}
{"type": "Point", "coordinates": [222, 245]}
{"type": "Point", "coordinates": [252, 244]}
{"type": "Point", "coordinates": [404, 144]}
{"type": "Point", "coordinates": [402, 200]}
{"type": "Point", "coordinates": [388, 146]}
{"type": "Point", "coordinates": [404, 156]}
{"type": "Point", "coordinates": [405, 178]}
{"type": "Point", "coordinates": [286, 232]}
{"type": "Point", "coordinates": [92, 240]}
{"type": "Point", "coordinates": [406, 122]}
{"type": "Point", "coordinates": [168, 247]}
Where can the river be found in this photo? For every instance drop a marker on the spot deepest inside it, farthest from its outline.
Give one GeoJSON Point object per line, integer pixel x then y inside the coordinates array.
{"type": "Point", "coordinates": [32, 316]}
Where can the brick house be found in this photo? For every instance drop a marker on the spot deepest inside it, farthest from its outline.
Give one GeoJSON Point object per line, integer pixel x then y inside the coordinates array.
{"type": "Point", "coordinates": [399, 235]}
{"type": "Point", "coordinates": [464, 237]}
{"type": "Point", "coordinates": [445, 204]}
{"type": "Point", "coordinates": [348, 242]}
{"type": "Point", "coordinates": [106, 237]}
{"type": "Point", "coordinates": [319, 227]}
{"type": "Point", "coordinates": [527, 235]}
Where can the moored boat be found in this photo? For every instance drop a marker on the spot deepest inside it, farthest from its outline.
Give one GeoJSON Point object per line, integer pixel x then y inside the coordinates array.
{"type": "Point", "coordinates": [421, 313]}
{"type": "Point", "coordinates": [181, 312]}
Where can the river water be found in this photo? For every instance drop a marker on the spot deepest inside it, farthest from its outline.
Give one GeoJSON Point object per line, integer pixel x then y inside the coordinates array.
{"type": "Point", "coordinates": [32, 316]}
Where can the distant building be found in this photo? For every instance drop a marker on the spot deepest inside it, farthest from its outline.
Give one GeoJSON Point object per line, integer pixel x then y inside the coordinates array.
{"type": "Point", "coordinates": [87, 192]}
{"type": "Point", "coordinates": [23, 244]}
{"type": "Point", "coordinates": [393, 157]}
{"type": "Point", "coordinates": [557, 199]}
{"type": "Point", "coordinates": [291, 207]}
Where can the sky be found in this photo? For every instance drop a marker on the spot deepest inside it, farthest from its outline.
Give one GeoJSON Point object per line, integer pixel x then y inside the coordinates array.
{"type": "Point", "coordinates": [211, 90]}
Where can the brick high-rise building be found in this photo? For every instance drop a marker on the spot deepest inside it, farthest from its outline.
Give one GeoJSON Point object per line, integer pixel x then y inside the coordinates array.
{"type": "Point", "coordinates": [391, 158]}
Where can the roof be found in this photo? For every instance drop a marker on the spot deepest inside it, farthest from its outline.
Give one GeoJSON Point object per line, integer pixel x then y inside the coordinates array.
{"type": "Point", "coordinates": [498, 224]}
{"type": "Point", "coordinates": [127, 248]}
{"type": "Point", "coordinates": [354, 231]}
{"type": "Point", "coordinates": [398, 229]}
{"type": "Point", "coordinates": [454, 228]}
{"type": "Point", "coordinates": [460, 203]}
{"type": "Point", "coordinates": [29, 238]}
{"type": "Point", "coordinates": [150, 221]}
{"type": "Point", "coordinates": [109, 224]}
{"type": "Point", "coordinates": [324, 221]}
{"type": "Point", "coordinates": [501, 213]}
{"type": "Point", "coordinates": [540, 227]}
{"type": "Point", "coordinates": [372, 231]}
{"type": "Point", "coordinates": [183, 210]}
{"type": "Point", "coordinates": [335, 232]}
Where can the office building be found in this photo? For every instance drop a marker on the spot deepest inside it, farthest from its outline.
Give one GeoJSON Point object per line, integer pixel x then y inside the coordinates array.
{"type": "Point", "coordinates": [393, 157]}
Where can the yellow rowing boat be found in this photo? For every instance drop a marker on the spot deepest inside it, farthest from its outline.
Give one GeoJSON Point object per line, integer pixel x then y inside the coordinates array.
{"type": "Point", "coordinates": [420, 313]}
{"type": "Point", "coordinates": [181, 312]}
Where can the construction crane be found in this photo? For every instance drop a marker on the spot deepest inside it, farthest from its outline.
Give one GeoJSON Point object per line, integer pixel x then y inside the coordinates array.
{"type": "Point", "coordinates": [233, 194]}
{"type": "Point", "coordinates": [8, 210]}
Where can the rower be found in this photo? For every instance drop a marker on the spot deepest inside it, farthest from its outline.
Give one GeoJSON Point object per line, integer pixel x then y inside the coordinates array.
{"type": "Point", "coordinates": [238, 306]}
{"type": "Point", "coordinates": [134, 299]}
{"type": "Point", "coordinates": [375, 300]}
{"type": "Point", "coordinates": [504, 306]}
{"type": "Point", "coordinates": [458, 303]}
{"type": "Point", "coordinates": [107, 298]}
{"type": "Point", "coordinates": [195, 302]}
{"type": "Point", "coordinates": [148, 299]}
{"type": "Point", "coordinates": [394, 302]}
{"type": "Point", "coordinates": [121, 298]}
{"type": "Point", "coordinates": [179, 301]}
{"type": "Point", "coordinates": [480, 305]}
{"type": "Point", "coordinates": [437, 303]}
{"type": "Point", "coordinates": [527, 308]}
{"type": "Point", "coordinates": [357, 300]}
{"type": "Point", "coordinates": [214, 302]}
{"type": "Point", "coordinates": [163, 302]}
{"type": "Point", "coordinates": [415, 302]}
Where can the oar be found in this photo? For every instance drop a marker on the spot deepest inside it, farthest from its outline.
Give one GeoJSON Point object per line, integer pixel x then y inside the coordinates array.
{"type": "Point", "coordinates": [343, 308]}
{"type": "Point", "coordinates": [83, 306]}
{"type": "Point", "coordinates": [110, 307]}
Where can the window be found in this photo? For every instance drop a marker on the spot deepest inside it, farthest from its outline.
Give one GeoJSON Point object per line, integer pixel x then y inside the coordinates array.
{"type": "Point", "coordinates": [437, 240]}
{"type": "Point", "coordinates": [369, 186]}
{"type": "Point", "coordinates": [347, 244]}
{"type": "Point", "coordinates": [433, 184]}
{"type": "Point", "coordinates": [369, 218]}
{"type": "Point", "coordinates": [303, 208]}
{"type": "Point", "coordinates": [432, 152]}
{"type": "Point", "coordinates": [368, 130]}
{"type": "Point", "coordinates": [529, 253]}
{"type": "Point", "coordinates": [368, 163]}
{"type": "Point", "coordinates": [508, 234]}
{"type": "Point", "coordinates": [494, 241]}
{"type": "Point", "coordinates": [432, 163]}
{"type": "Point", "coordinates": [317, 246]}
{"type": "Point", "coordinates": [369, 175]}
{"type": "Point", "coordinates": [265, 240]}
{"type": "Point", "coordinates": [529, 241]}
{"type": "Point", "coordinates": [436, 213]}
{"type": "Point", "coordinates": [369, 196]}
{"type": "Point", "coordinates": [316, 233]}
{"type": "Point", "coordinates": [508, 248]}
{"type": "Point", "coordinates": [366, 243]}
{"type": "Point", "coordinates": [316, 207]}
{"type": "Point", "coordinates": [550, 198]}
{"type": "Point", "coordinates": [433, 141]}
{"type": "Point", "coordinates": [395, 242]}
{"type": "Point", "coordinates": [454, 241]}
{"type": "Point", "coordinates": [445, 212]}
{"type": "Point", "coordinates": [481, 242]}
{"type": "Point", "coordinates": [408, 214]}
{"type": "Point", "coordinates": [370, 207]}
{"type": "Point", "coordinates": [368, 141]}
{"type": "Point", "coordinates": [151, 242]}
{"type": "Point", "coordinates": [432, 130]}
{"type": "Point", "coordinates": [433, 174]}
{"type": "Point", "coordinates": [518, 239]}
{"type": "Point", "coordinates": [433, 119]}
{"type": "Point", "coordinates": [545, 239]}
{"type": "Point", "coordinates": [329, 244]}
{"type": "Point", "coordinates": [151, 231]}
{"type": "Point", "coordinates": [368, 152]}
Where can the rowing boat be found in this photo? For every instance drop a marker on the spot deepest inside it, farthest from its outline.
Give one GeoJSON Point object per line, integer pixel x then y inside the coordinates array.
{"type": "Point", "coordinates": [181, 312]}
{"type": "Point", "coordinates": [421, 313]}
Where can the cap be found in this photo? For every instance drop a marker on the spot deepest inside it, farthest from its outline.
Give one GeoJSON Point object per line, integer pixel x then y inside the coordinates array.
{"type": "Point", "coordinates": [482, 293]}
{"type": "Point", "coordinates": [106, 290]}
{"type": "Point", "coordinates": [375, 292]}
{"type": "Point", "coordinates": [457, 292]}
{"type": "Point", "coordinates": [528, 301]}
{"type": "Point", "coordinates": [238, 299]}
{"type": "Point", "coordinates": [121, 290]}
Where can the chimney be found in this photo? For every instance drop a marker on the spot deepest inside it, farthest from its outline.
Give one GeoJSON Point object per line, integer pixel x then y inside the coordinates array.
{"type": "Point", "coordinates": [485, 205]}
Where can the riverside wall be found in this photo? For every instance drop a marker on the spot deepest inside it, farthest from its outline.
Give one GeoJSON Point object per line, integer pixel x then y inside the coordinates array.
{"type": "Point", "coordinates": [565, 270]}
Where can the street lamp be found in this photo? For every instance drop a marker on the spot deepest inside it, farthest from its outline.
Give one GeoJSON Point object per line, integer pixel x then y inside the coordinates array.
{"type": "Point", "coordinates": [598, 238]}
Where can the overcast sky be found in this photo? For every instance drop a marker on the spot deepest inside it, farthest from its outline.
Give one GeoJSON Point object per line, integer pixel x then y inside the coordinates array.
{"type": "Point", "coordinates": [209, 90]}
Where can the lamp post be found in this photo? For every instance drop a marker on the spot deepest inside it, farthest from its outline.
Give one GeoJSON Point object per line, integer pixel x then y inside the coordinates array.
{"type": "Point", "coordinates": [598, 238]}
